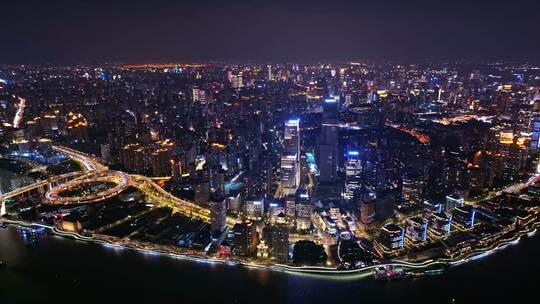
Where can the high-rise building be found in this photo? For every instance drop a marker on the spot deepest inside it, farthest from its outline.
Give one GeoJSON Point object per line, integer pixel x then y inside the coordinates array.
{"type": "Point", "coordinates": [391, 238]}
{"type": "Point", "coordinates": [198, 95]}
{"type": "Point", "coordinates": [367, 208]}
{"type": "Point", "coordinates": [277, 239]}
{"type": "Point", "coordinates": [353, 170]}
{"type": "Point", "coordinates": [440, 224]}
{"type": "Point", "coordinates": [270, 77]}
{"type": "Point", "coordinates": [385, 204]}
{"type": "Point", "coordinates": [161, 162]}
{"type": "Point", "coordinates": [290, 159]}
{"type": "Point", "coordinates": [328, 145]}
{"type": "Point", "coordinates": [254, 209]}
{"type": "Point", "coordinates": [416, 229]}
{"type": "Point", "coordinates": [237, 81]}
{"type": "Point", "coordinates": [411, 190]}
{"type": "Point", "coordinates": [535, 134]}
{"type": "Point", "coordinates": [218, 214]}
{"type": "Point", "coordinates": [245, 239]}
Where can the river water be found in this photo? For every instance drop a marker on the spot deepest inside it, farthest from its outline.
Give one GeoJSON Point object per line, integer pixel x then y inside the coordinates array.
{"type": "Point", "coordinates": [61, 270]}
{"type": "Point", "coordinates": [68, 271]}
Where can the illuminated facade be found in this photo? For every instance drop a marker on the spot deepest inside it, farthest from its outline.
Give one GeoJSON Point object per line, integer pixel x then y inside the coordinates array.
{"type": "Point", "coordinates": [290, 159]}
{"type": "Point", "coordinates": [353, 170]}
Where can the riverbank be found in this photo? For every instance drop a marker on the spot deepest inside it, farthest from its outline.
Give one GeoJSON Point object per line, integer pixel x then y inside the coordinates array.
{"type": "Point", "coordinates": [175, 252]}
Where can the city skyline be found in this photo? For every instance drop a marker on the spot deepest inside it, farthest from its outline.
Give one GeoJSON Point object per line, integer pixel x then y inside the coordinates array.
{"type": "Point", "coordinates": [252, 151]}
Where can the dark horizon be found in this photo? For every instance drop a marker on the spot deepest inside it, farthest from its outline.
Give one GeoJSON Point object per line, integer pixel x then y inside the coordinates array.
{"type": "Point", "coordinates": [82, 31]}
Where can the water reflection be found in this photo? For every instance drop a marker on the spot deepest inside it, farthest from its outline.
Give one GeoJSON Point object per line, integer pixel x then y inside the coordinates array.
{"type": "Point", "coordinates": [31, 236]}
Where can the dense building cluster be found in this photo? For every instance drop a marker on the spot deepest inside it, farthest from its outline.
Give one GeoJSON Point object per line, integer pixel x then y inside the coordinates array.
{"type": "Point", "coordinates": [396, 156]}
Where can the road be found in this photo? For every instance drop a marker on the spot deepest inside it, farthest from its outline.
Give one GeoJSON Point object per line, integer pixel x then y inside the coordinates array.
{"type": "Point", "coordinates": [154, 192]}
{"type": "Point", "coordinates": [20, 111]}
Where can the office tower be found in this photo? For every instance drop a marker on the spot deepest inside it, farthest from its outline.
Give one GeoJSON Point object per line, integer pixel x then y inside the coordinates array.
{"type": "Point", "coordinates": [135, 158]}
{"type": "Point", "coordinates": [254, 209]}
{"type": "Point", "coordinates": [328, 146]}
{"type": "Point", "coordinates": [440, 224]}
{"type": "Point", "coordinates": [218, 214]}
{"type": "Point", "coordinates": [161, 162]}
{"type": "Point", "coordinates": [217, 180]}
{"type": "Point", "coordinates": [411, 190]}
{"type": "Point", "coordinates": [353, 170]}
{"type": "Point", "coordinates": [464, 216]}
{"type": "Point", "coordinates": [233, 202]}
{"type": "Point", "coordinates": [303, 216]}
{"type": "Point", "coordinates": [270, 78]}
{"type": "Point", "coordinates": [105, 150]}
{"type": "Point", "coordinates": [277, 239]}
{"type": "Point", "coordinates": [237, 81]}
{"type": "Point", "coordinates": [290, 159]}
{"type": "Point", "coordinates": [416, 230]}
{"type": "Point", "coordinates": [367, 208]}
{"type": "Point", "coordinates": [290, 209]}
{"type": "Point", "coordinates": [245, 239]}
{"type": "Point", "coordinates": [199, 95]}
{"type": "Point", "coordinates": [391, 237]}
{"type": "Point", "coordinates": [385, 204]}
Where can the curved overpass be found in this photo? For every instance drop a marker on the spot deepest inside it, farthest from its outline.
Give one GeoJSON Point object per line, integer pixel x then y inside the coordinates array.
{"type": "Point", "coordinates": [120, 179]}
{"type": "Point", "coordinates": [155, 192]}
{"type": "Point", "coordinates": [145, 184]}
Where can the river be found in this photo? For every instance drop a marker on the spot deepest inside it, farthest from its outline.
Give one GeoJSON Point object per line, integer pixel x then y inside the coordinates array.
{"type": "Point", "coordinates": [63, 270]}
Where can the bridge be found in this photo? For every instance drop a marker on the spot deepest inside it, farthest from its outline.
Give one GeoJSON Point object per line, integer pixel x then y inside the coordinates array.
{"type": "Point", "coordinates": [40, 186]}
{"type": "Point", "coordinates": [87, 161]}
{"type": "Point", "coordinates": [96, 172]}
{"type": "Point", "coordinates": [119, 179]}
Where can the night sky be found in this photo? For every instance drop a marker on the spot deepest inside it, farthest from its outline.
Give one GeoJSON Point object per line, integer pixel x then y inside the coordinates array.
{"type": "Point", "coordinates": [71, 31]}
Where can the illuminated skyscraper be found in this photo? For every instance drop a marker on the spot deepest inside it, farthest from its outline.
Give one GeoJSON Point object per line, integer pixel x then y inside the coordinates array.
{"type": "Point", "coordinates": [353, 169]}
{"type": "Point", "coordinates": [535, 134]}
{"type": "Point", "coordinates": [328, 146]}
{"type": "Point", "coordinates": [290, 159]}
{"type": "Point", "coordinates": [411, 191]}
{"type": "Point", "coordinates": [270, 78]}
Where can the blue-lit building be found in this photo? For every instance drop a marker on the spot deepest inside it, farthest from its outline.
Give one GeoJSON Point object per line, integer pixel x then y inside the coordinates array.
{"type": "Point", "coordinates": [453, 201]}
{"type": "Point", "coordinates": [464, 216]}
{"type": "Point", "coordinates": [416, 229]}
{"type": "Point", "coordinates": [535, 134]}
{"type": "Point", "coordinates": [440, 224]}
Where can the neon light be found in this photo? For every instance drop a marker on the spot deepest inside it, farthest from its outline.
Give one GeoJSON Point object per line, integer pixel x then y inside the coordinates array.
{"type": "Point", "coordinates": [330, 100]}
{"type": "Point", "coordinates": [294, 121]}
{"type": "Point", "coordinates": [354, 153]}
